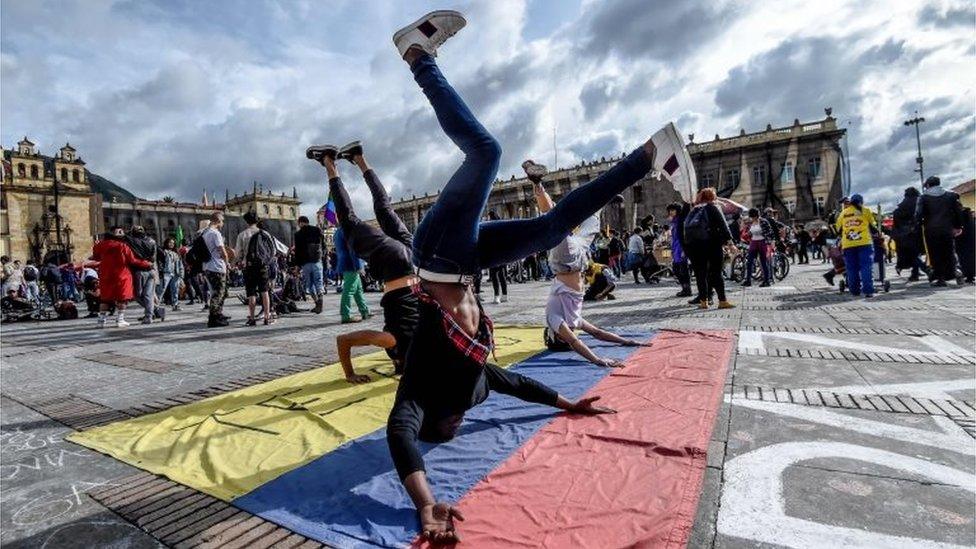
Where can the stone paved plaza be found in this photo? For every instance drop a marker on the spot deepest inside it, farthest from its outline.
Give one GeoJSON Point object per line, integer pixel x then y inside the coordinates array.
{"type": "Point", "coordinates": [845, 423]}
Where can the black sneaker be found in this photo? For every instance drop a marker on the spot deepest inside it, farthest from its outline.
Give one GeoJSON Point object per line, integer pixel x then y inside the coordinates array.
{"type": "Point", "coordinates": [939, 284]}
{"type": "Point", "coordinates": [535, 172]}
{"type": "Point", "coordinates": [217, 322]}
{"type": "Point", "coordinates": [251, 322]}
{"type": "Point", "coordinates": [764, 285]}
{"type": "Point", "coordinates": [683, 293]}
{"type": "Point", "coordinates": [829, 277]}
{"type": "Point", "coordinates": [350, 150]}
{"type": "Point", "coordinates": [746, 284]}
{"type": "Point", "coordinates": [318, 152]}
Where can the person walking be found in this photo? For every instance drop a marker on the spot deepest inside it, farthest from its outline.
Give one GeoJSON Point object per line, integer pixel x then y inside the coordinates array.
{"type": "Point", "coordinates": [215, 270]}
{"type": "Point", "coordinates": [803, 240]}
{"type": "Point", "coordinates": [706, 233]}
{"type": "Point", "coordinates": [350, 265]}
{"type": "Point", "coordinates": [760, 235]}
{"type": "Point", "coordinates": [939, 214]}
{"type": "Point", "coordinates": [116, 262]}
{"type": "Point", "coordinates": [966, 246]}
{"type": "Point", "coordinates": [907, 236]}
{"type": "Point", "coordinates": [171, 274]}
{"type": "Point", "coordinates": [616, 248]}
{"type": "Point", "coordinates": [258, 256]}
{"type": "Point", "coordinates": [498, 275]}
{"type": "Point", "coordinates": [144, 247]}
{"type": "Point", "coordinates": [308, 256]}
{"type": "Point", "coordinates": [635, 253]}
{"type": "Point", "coordinates": [855, 224]}
{"type": "Point", "coordinates": [677, 212]}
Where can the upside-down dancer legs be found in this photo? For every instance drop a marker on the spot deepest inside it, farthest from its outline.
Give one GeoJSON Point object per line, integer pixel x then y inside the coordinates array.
{"type": "Point", "coordinates": [446, 370]}
{"type": "Point", "coordinates": [387, 250]}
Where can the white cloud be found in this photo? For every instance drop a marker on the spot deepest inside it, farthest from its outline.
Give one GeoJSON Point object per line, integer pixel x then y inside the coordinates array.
{"type": "Point", "coordinates": [171, 97]}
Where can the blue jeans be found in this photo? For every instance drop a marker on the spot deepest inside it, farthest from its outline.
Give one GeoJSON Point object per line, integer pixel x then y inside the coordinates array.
{"type": "Point", "coordinates": [858, 262]}
{"type": "Point", "coordinates": [451, 238]}
{"type": "Point", "coordinates": [312, 275]}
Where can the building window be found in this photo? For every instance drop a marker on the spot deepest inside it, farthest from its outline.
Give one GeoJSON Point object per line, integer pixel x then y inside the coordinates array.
{"type": "Point", "coordinates": [584, 179]}
{"type": "Point", "coordinates": [706, 181]}
{"type": "Point", "coordinates": [638, 194]}
{"type": "Point", "coordinates": [279, 210]}
{"type": "Point", "coordinates": [292, 210]}
{"type": "Point", "coordinates": [790, 206]}
{"type": "Point", "coordinates": [820, 206]}
{"type": "Point", "coordinates": [732, 178]}
{"type": "Point", "coordinates": [21, 170]}
{"type": "Point", "coordinates": [33, 172]}
{"type": "Point", "coordinates": [266, 209]}
{"type": "Point", "coordinates": [170, 223]}
{"type": "Point", "coordinates": [64, 174]}
{"type": "Point", "coordinates": [786, 174]}
{"type": "Point", "coordinates": [76, 176]}
{"type": "Point", "coordinates": [759, 176]}
{"type": "Point", "coordinates": [814, 167]}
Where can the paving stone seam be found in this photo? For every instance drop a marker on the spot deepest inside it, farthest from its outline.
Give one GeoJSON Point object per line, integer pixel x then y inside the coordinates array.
{"type": "Point", "coordinates": [899, 404]}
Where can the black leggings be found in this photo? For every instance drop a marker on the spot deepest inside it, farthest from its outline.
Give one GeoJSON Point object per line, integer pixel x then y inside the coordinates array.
{"type": "Point", "coordinates": [497, 276]}
{"type": "Point", "coordinates": [387, 248]}
{"type": "Point", "coordinates": [706, 262]}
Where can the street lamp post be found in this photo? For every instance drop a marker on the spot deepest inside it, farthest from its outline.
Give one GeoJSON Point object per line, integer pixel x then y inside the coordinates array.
{"type": "Point", "coordinates": [918, 141]}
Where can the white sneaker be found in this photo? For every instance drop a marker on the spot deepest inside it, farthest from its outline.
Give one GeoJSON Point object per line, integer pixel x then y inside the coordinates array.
{"type": "Point", "coordinates": [672, 161]}
{"type": "Point", "coordinates": [121, 323]}
{"type": "Point", "coordinates": [533, 170]}
{"type": "Point", "coordinates": [101, 321]}
{"type": "Point", "coordinates": [496, 301]}
{"type": "Point", "coordinates": [429, 32]}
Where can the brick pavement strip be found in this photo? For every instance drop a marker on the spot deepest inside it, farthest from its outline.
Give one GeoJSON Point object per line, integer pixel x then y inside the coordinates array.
{"type": "Point", "coordinates": [112, 358]}
{"type": "Point", "coordinates": [182, 517]}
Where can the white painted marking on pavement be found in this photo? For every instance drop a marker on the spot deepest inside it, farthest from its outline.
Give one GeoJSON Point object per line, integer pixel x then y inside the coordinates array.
{"type": "Point", "coordinates": [840, 343]}
{"type": "Point", "coordinates": [944, 346]}
{"type": "Point", "coordinates": [830, 418]}
{"type": "Point", "coordinates": [753, 505]}
{"type": "Point", "coordinates": [927, 389]}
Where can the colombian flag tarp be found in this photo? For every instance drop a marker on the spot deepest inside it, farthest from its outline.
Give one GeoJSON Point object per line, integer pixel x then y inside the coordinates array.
{"type": "Point", "coordinates": [309, 451]}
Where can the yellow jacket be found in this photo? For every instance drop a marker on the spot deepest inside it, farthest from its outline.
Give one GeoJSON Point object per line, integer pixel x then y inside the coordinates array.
{"type": "Point", "coordinates": [854, 226]}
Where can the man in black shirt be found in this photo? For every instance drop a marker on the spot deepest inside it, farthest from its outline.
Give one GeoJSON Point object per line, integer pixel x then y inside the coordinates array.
{"type": "Point", "coordinates": [308, 257]}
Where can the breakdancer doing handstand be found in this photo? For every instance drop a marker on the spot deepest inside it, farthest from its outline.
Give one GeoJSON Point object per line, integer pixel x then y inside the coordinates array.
{"type": "Point", "coordinates": [446, 370]}
{"type": "Point", "coordinates": [387, 250]}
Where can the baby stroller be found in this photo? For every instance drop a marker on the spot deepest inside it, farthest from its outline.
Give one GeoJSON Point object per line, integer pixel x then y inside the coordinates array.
{"type": "Point", "coordinates": [836, 256]}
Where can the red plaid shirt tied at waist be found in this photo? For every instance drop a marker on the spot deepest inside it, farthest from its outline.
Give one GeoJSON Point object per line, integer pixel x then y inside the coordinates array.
{"type": "Point", "coordinates": [476, 348]}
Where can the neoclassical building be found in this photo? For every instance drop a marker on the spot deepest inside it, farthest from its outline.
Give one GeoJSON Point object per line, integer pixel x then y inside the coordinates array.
{"type": "Point", "coordinates": [797, 169]}
{"type": "Point", "coordinates": [54, 204]}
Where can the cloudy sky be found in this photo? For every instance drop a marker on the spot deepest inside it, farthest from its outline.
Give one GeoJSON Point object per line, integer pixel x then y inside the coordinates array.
{"type": "Point", "coordinates": [169, 97]}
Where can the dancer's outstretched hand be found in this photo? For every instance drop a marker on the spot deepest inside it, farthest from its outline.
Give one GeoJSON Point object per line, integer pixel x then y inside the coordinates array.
{"type": "Point", "coordinates": [635, 343]}
{"type": "Point", "coordinates": [437, 523]}
{"type": "Point", "coordinates": [356, 379]}
{"type": "Point", "coordinates": [586, 406]}
{"type": "Point", "coordinates": [609, 363]}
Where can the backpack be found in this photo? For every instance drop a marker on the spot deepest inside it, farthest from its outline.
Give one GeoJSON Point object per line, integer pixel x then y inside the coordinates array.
{"type": "Point", "coordinates": [30, 273]}
{"type": "Point", "coordinates": [697, 228]}
{"type": "Point", "coordinates": [260, 250]}
{"type": "Point", "coordinates": [198, 254]}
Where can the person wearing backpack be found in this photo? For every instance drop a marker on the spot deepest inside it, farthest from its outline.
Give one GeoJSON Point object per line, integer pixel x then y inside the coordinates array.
{"type": "Point", "coordinates": [259, 256]}
{"type": "Point", "coordinates": [706, 232]}
{"type": "Point", "coordinates": [31, 276]}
